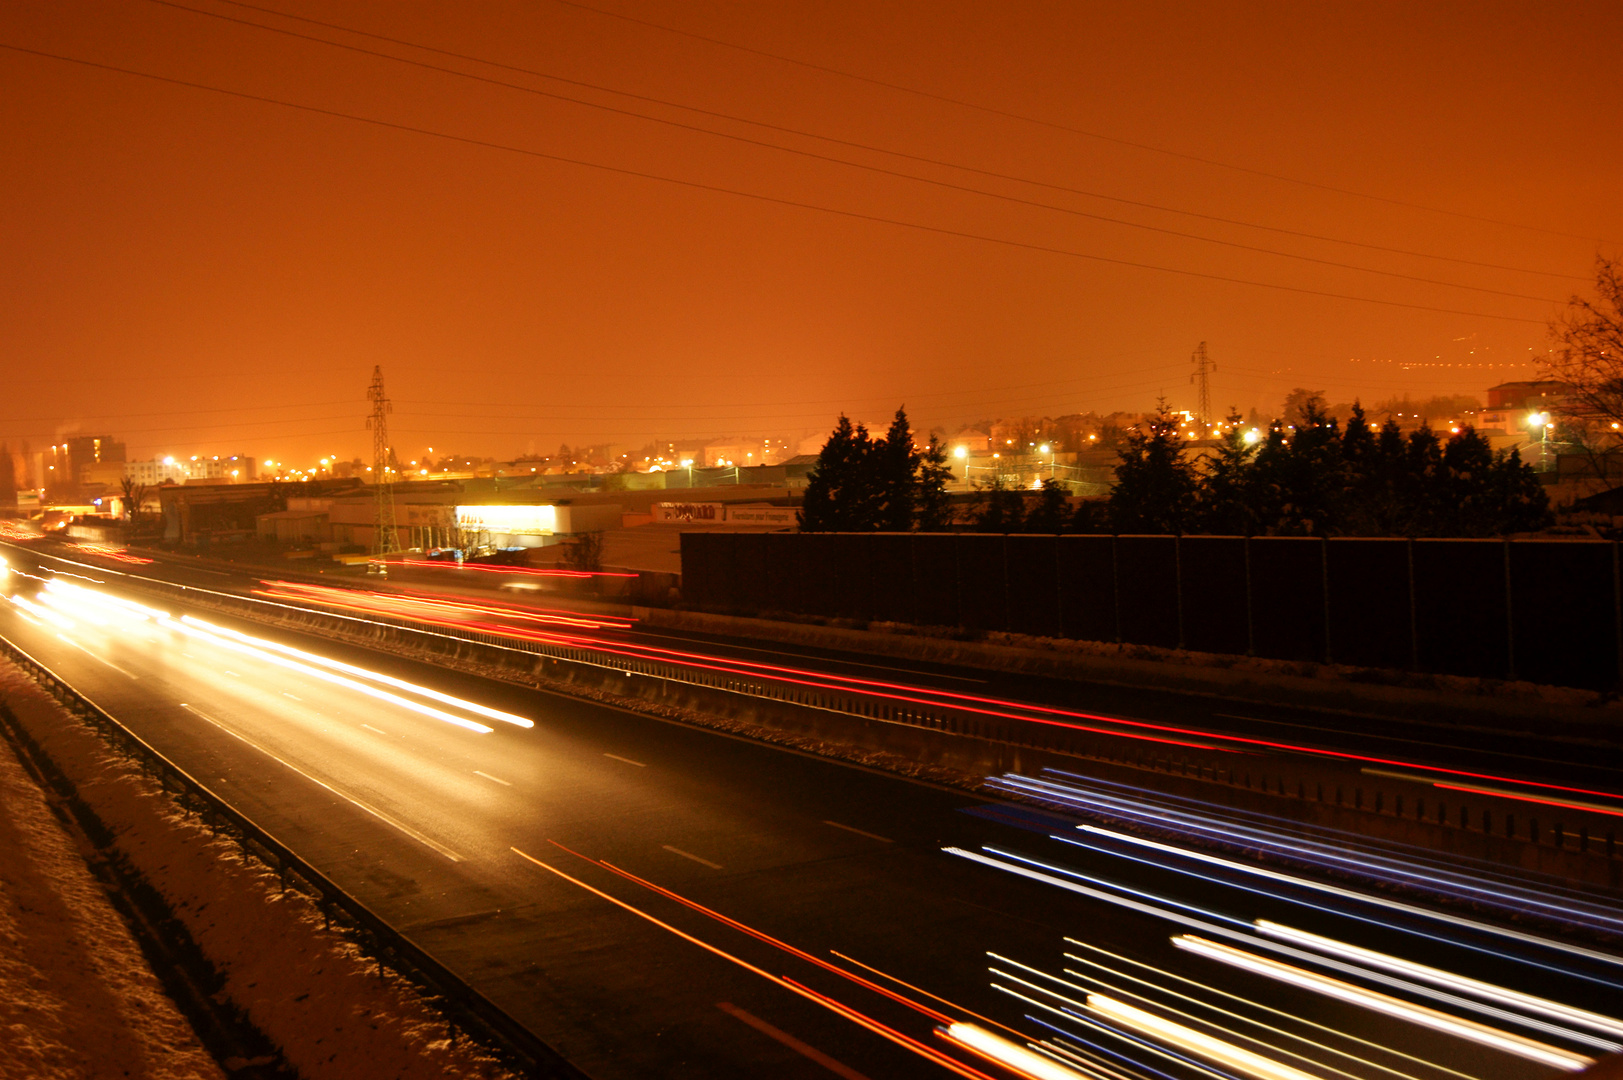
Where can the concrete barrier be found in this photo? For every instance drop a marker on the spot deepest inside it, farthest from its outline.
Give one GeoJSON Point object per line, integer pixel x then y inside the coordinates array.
{"type": "Point", "coordinates": [965, 747]}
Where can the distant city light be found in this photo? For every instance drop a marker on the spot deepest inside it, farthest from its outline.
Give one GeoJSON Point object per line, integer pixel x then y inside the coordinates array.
{"type": "Point", "coordinates": [1253, 436]}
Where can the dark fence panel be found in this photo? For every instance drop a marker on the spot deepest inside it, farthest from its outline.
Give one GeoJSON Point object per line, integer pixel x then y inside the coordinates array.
{"type": "Point", "coordinates": [852, 581]}
{"type": "Point", "coordinates": [819, 573]}
{"type": "Point", "coordinates": [1158, 590]}
{"type": "Point", "coordinates": [1147, 575]}
{"type": "Point", "coordinates": [1563, 613]}
{"type": "Point", "coordinates": [1460, 607]}
{"type": "Point", "coordinates": [982, 586]}
{"type": "Point", "coordinates": [935, 579]}
{"type": "Point", "coordinates": [780, 589]}
{"type": "Point", "coordinates": [1369, 602]}
{"type": "Point", "coordinates": [890, 577]}
{"type": "Point", "coordinates": [701, 556]}
{"type": "Point", "coordinates": [1287, 597]}
{"type": "Point", "coordinates": [1031, 563]}
{"type": "Point", "coordinates": [747, 571]}
{"type": "Point", "coordinates": [1087, 587]}
{"type": "Point", "coordinates": [1212, 569]}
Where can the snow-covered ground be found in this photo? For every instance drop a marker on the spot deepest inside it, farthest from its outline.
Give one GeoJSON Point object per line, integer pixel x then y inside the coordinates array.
{"type": "Point", "coordinates": [76, 996]}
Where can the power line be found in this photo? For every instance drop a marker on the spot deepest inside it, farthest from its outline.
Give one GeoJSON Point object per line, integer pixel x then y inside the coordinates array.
{"type": "Point", "coordinates": [866, 147]}
{"type": "Point", "coordinates": [757, 196]}
{"type": "Point", "coordinates": [904, 398]}
{"type": "Point", "coordinates": [200, 427]}
{"type": "Point", "coordinates": [1055, 125]}
{"type": "Point", "coordinates": [97, 417]}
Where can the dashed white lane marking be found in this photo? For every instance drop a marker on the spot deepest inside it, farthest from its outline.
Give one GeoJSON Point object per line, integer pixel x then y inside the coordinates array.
{"type": "Point", "coordinates": [838, 1068]}
{"type": "Point", "coordinates": [859, 832]}
{"type": "Point", "coordinates": [374, 811]}
{"type": "Point", "coordinates": [369, 727]}
{"type": "Point", "coordinates": [103, 659]}
{"type": "Point", "coordinates": [497, 779]}
{"type": "Point", "coordinates": [690, 855]}
{"type": "Point", "coordinates": [295, 697]}
{"type": "Point", "coordinates": [627, 760]}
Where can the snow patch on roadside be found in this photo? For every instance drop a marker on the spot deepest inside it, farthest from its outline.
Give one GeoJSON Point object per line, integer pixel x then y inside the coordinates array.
{"type": "Point", "coordinates": [309, 989]}
{"type": "Point", "coordinates": [77, 998]}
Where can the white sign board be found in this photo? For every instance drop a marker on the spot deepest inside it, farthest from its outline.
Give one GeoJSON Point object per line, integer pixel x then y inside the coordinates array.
{"type": "Point", "coordinates": [690, 511]}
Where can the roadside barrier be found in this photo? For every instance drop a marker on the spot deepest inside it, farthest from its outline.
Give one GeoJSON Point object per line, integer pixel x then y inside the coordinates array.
{"type": "Point", "coordinates": [1467, 819]}
{"type": "Point", "coordinates": [467, 1012]}
{"type": "Point", "coordinates": [1581, 845]}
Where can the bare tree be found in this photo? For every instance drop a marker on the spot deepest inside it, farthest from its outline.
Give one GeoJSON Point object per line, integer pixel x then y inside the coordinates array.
{"type": "Point", "coordinates": [1586, 353]}
{"type": "Point", "coordinates": [134, 495]}
{"type": "Point", "coordinates": [584, 552]}
{"type": "Point", "coordinates": [470, 537]}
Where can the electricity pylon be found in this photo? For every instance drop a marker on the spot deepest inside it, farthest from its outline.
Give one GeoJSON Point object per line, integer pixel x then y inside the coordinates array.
{"type": "Point", "coordinates": [386, 539]}
{"type": "Point", "coordinates": [1203, 365]}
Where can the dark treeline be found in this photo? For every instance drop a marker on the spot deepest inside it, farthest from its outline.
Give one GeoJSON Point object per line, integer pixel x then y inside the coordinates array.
{"type": "Point", "coordinates": [863, 484]}
{"type": "Point", "coordinates": [1321, 479]}
{"type": "Point", "coordinates": [1316, 478]}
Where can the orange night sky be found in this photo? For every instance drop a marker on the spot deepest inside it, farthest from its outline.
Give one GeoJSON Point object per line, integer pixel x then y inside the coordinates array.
{"type": "Point", "coordinates": [627, 220]}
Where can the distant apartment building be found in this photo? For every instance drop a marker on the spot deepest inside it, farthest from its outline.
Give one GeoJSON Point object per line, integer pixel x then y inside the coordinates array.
{"type": "Point", "coordinates": [235, 469]}
{"type": "Point", "coordinates": [742, 453]}
{"type": "Point", "coordinates": [62, 469]}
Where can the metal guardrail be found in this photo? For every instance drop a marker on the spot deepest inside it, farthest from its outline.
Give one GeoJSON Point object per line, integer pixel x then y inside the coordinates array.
{"type": "Point", "coordinates": [465, 1009]}
{"type": "Point", "coordinates": [1306, 784]}
{"type": "Point", "coordinates": [1476, 814]}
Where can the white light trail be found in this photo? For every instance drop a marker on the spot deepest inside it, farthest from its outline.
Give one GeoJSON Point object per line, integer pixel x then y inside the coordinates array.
{"type": "Point", "coordinates": [1017, 1059]}
{"type": "Point", "coordinates": [1194, 1042]}
{"type": "Point", "coordinates": [1352, 894]}
{"type": "Point", "coordinates": [1292, 1017]}
{"type": "Point", "coordinates": [328, 676]}
{"type": "Point", "coordinates": [1481, 1034]}
{"type": "Point", "coordinates": [362, 673]}
{"type": "Point", "coordinates": [1554, 1010]}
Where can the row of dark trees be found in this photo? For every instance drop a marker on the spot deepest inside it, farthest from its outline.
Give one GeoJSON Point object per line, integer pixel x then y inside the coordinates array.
{"type": "Point", "coordinates": [1313, 478]}
{"type": "Point", "coordinates": [863, 484]}
{"type": "Point", "coordinates": [1317, 478]}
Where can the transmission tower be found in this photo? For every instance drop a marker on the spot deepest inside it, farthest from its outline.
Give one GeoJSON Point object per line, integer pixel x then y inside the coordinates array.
{"type": "Point", "coordinates": [1203, 366]}
{"type": "Point", "coordinates": [387, 540]}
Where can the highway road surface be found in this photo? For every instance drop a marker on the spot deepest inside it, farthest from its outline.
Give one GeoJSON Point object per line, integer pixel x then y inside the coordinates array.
{"type": "Point", "coordinates": [656, 900]}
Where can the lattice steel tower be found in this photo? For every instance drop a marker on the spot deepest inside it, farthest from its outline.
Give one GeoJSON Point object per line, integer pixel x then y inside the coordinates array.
{"type": "Point", "coordinates": [386, 540]}
{"type": "Point", "coordinates": [1203, 365]}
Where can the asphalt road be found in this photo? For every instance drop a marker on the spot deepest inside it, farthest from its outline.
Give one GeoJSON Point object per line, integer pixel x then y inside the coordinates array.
{"type": "Point", "coordinates": [425, 822]}
{"type": "Point", "coordinates": [1578, 754]}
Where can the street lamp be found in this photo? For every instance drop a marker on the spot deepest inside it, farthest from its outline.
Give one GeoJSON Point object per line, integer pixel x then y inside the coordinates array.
{"type": "Point", "coordinates": [687, 463]}
{"type": "Point", "coordinates": [1046, 449]}
{"type": "Point", "coordinates": [1541, 421]}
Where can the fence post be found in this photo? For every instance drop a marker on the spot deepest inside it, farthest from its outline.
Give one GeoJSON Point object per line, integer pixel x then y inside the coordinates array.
{"type": "Point", "coordinates": [1177, 580]}
{"type": "Point", "coordinates": [1414, 625]}
{"type": "Point", "coordinates": [1617, 610]}
{"type": "Point", "coordinates": [1115, 581]}
{"type": "Point", "coordinates": [1510, 620]}
{"type": "Point", "coordinates": [1250, 622]}
{"type": "Point", "coordinates": [1324, 574]}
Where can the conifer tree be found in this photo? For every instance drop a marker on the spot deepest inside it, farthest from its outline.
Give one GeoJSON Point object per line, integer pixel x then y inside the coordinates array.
{"type": "Point", "coordinates": [1155, 486]}
{"type": "Point", "coordinates": [933, 503]}
{"type": "Point", "coordinates": [821, 510]}
{"type": "Point", "coordinates": [1053, 512]}
{"type": "Point", "coordinates": [1225, 486]}
{"type": "Point", "coordinates": [896, 466]}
